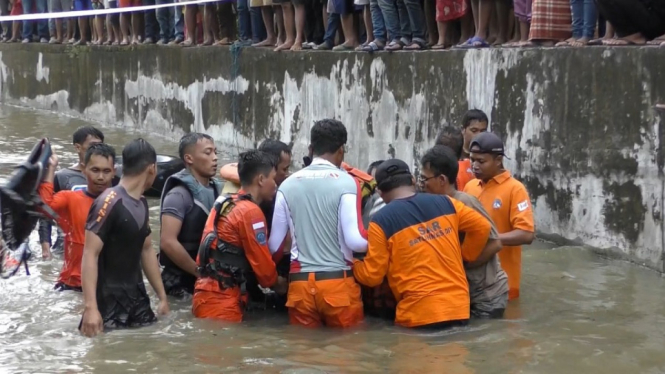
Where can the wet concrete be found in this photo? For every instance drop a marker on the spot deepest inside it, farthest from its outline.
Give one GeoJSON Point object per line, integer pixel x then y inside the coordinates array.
{"type": "Point", "coordinates": [579, 126]}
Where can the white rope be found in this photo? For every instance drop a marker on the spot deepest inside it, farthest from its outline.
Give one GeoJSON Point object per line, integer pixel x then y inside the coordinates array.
{"type": "Point", "coordinates": [99, 12]}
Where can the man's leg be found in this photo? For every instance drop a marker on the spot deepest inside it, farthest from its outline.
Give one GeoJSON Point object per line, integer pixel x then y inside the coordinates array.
{"type": "Point", "coordinates": [244, 20]}
{"type": "Point", "coordinates": [392, 20]}
{"type": "Point", "coordinates": [334, 20]}
{"type": "Point", "coordinates": [268, 19]}
{"type": "Point", "coordinates": [345, 311]}
{"type": "Point", "coordinates": [42, 25]}
{"type": "Point", "coordinates": [150, 17]}
{"type": "Point", "coordinates": [300, 15]}
{"type": "Point", "coordinates": [417, 23]}
{"type": "Point", "coordinates": [225, 305]}
{"type": "Point", "coordinates": [259, 31]}
{"type": "Point", "coordinates": [27, 25]}
{"type": "Point", "coordinates": [289, 26]}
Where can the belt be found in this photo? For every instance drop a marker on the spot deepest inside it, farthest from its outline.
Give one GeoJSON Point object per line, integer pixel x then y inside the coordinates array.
{"type": "Point", "coordinates": [321, 275]}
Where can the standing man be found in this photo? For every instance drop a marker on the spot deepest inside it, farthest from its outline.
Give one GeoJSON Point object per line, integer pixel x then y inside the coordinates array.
{"type": "Point", "coordinates": [66, 179]}
{"type": "Point", "coordinates": [451, 137]}
{"type": "Point", "coordinates": [506, 200]}
{"type": "Point", "coordinates": [414, 241]}
{"type": "Point", "coordinates": [235, 244]}
{"type": "Point", "coordinates": [117, 245]}
{"type": "Point", "coordinates": [186, 201]}
{"type": "Point", "coordinates": [319, 206]}
{"type": "Point", "coordinates": [488, 283]}
{"type": "Point", "coordinates": [474, 122]}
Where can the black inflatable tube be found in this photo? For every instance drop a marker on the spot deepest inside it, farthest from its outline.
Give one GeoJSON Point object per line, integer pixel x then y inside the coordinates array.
{"type": "Point", "coordinates": [166, 166]}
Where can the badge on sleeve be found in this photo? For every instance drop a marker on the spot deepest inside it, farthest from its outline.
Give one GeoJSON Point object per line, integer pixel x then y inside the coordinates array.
{"type": "Point", "coordinates": [260, 232]}
{"type": "Point", "coordinates": [524, 205]}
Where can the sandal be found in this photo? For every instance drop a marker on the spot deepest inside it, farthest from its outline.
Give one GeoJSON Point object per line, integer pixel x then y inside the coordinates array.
{"type": "Point", "coordinates": [373, 47]}
{"type": "Point", "coordinates": [475, 42]}
{"type": "Point", "coordinates": [394, 46]}
{"type": "Point", "coordinates": [416, 45]}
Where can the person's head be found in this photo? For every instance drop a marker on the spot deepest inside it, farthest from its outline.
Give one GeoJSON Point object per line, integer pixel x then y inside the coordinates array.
{"type": "Point", "coordinates": [486, 154]}
{"type": "Point", "coordinates": [371, 170]}
{"type": "Point", "coordinates": [473, 123]}
{"type": "Point", "coordinates": [99, 167]}
{"type": "Point", "coordinates": [139, 159]}
{"type": "Point", "coordinates": [451, 137]}
{"type": "Point", "coordinates": [438, 171]}
{"type": "Point", "coordinates": [85, 136]}
{"type": "Point", "coordinates": [328, 140]}
{"type": "Point", "coordinates": [199, 153]}
{"type": "Point", "coordinates": [282, 152]}
{"type": "Point", "coordinates": [394, 180]}
{"type": "Point", "coordinates": [256, 170]}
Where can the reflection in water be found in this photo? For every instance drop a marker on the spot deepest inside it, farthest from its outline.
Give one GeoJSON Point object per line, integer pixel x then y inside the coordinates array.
{"type": "Point", "coordinates": [577, 314]}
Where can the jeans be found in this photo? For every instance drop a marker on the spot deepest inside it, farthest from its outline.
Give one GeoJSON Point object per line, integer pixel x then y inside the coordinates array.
{"type": "Point", "coordinates": [250, 22]}
{"type": "Point", "coordinates": [42, 25]}
{"type": "Point", "coordinates": [378, 26]}
{"type": "Point", "coordinates": [416, 17]}
{"type": "Point", "coordinates": [179, 23]}
{"type": "Point", "coordinates": [6, 26]}
{"type": "Point", "coordinates": [334, 20]}
{"type": "Point", "coordinates": [584, 18]}
{"type": "Point", "coordinates": [165, 18]}
{"type": "Point", "coordinates": [151, 26]}
{"type": "Point", "coordinates": [396, 17]}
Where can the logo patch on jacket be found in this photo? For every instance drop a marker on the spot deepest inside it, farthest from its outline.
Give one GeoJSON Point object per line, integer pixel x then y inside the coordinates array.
{"type": "Point", "coordinates": [260, 232]}
{"type": "Point", "coordinates": [496, 204]}
{"type": "Point", "coordinates": [524, 205]}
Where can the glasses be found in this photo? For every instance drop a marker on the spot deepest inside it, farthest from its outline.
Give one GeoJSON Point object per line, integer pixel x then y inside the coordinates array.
{"type": "Point", "coordinates": [422, 180]}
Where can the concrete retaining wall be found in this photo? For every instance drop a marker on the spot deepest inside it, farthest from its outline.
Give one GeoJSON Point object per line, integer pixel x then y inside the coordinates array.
{"type": "Point", "coordinates": [578, 123]}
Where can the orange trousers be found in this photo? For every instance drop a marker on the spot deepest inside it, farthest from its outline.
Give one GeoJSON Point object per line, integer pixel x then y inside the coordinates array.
{"type": "Point", "coordinates": [333, 302]}
{"type": "Point", "coordinates": [227, 305]}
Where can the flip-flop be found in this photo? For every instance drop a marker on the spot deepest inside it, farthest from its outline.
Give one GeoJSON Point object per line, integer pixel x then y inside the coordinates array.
{"type": "Point", "coordinates": [372, 47]}
{"type": "Point", "coordinates": [470, 43]}
{"type": "Point", "coordinates": [343, 48]}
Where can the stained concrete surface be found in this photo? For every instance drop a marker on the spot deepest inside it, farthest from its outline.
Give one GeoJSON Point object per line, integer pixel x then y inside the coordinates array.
{"type": "Point", "coordinates": [579, 126]}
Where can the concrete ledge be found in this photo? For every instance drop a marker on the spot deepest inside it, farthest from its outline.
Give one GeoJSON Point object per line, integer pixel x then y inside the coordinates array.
{"type": "Point", "coordinates": [579, 123]}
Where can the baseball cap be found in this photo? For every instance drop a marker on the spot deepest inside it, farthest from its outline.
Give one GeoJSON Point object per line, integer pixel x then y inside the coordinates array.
{"type": "Point", "coordinates": [390, 168]}
{"type": "Point", "coordinates": [487, 142]}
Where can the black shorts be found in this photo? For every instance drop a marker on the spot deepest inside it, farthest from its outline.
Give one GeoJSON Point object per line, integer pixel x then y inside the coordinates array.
{"type": "Point", "coordinates": [177, 282]}
{"type": "Point", "coordinates": [124, 307]}
{"type": "Point", "coordinates": [63, 287]}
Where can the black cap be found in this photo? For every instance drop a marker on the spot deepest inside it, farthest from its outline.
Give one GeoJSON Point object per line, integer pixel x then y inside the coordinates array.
{"type": "Point", "coordinates": [390, 168]}
{"type": "Point", "coordinates": [487, 142]}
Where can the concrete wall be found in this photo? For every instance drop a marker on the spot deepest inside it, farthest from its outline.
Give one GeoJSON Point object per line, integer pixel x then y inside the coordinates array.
{"type": "Point", "coordinates": [579, 125]}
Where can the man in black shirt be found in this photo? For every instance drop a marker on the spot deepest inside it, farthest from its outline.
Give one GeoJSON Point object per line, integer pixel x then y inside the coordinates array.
{"type": "Point", "coordinates": [117, 245]}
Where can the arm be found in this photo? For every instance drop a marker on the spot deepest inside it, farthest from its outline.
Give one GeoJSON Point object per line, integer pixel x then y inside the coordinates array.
{"type": "Point", "coordinates": [280, 225]}
{"type": "Point", "coordinates": [352, 230]}
{"type": "Point", "coordinates": [92, 322]}
{"type": "Point", "coordinates": [176, 204]}
{"type": "Point", "coordinates": [56, 201]}
{"type": "Point", "coordinates": [151, 270]}
{"type": "Point", "coordinates": [521, 219]}
{"type": "Point", "coordinates": [476, 228]}
{"type": "Point", "coordinates": [492, 247]}
{"type": "Point", "coordinates": [373, 269]}
{"type": "Point", "coordinates": [253, 234]}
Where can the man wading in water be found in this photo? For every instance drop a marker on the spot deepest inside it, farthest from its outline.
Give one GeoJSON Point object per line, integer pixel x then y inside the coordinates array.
{"type": "Point", "coordinates": [117, 245]}
{"type": "Point", "coordinates": [187, 199]}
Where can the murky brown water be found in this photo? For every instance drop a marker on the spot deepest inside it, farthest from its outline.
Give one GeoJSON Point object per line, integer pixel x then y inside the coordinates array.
{"type": "Point", "coordinates": [577, 314]}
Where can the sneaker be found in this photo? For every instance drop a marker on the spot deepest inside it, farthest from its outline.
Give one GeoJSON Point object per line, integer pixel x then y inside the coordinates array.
{"type": "Point", "coordinates": [148, 40]}
{"type": "Point", "coordinates": [176, 41]}
{"type": "Point", "coordinates": [43, 40]}
{"type": "Point", "coordinates": [25, 41]}
{"type": "Point", "coordinates": [323, 47]}
{"type": "Point", "coordinates": [162, 42]}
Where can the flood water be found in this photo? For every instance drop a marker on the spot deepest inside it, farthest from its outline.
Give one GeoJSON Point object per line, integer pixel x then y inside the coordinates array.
{"type": "Point", "coordinates": [578, 313]}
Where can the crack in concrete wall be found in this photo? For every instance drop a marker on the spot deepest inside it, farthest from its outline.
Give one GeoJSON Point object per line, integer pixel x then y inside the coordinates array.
{"type": "Point", "coordinates": [578, 124]}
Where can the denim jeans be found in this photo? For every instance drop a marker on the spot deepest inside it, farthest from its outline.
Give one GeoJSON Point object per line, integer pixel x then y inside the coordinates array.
{"type": "Point", "coordinates": [416, 18]}
{"type": "Point", "coordinates": [151, 26]}
{"type": "Point", "coordinates": [378, 26]}
{"type": "Point", "coordinates": [250, 22]}
{"type": "Point", "coordinates": [165, 18]}
{"type": "Point", "coordinates": [334, 20]}
{"type": "Point", "coordinates": [396, 18]}
{"type": "Point", "coordinates": [42, 25]}
{"type": "Point", "coordinates": [179, 23]}
{"type": "Point", "coordinates": [584, 18]}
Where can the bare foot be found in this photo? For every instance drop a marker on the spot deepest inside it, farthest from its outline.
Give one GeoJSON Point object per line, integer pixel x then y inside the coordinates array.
{"type": "Point", "coordinates": [297, 46]}
{"type": "Point", "coordinates": [581, 42]}
{"type": "Point", "coordinates": [187, 43]}
{"type": "Point", "coordinates": [566, 43]}
{"type": "Point", "coordinates": [498, 42]}
{"type": "Point", "coordinates": [81, 42]}
{"type": "Point", "coordinates": [135, 41]}
{"type": "Point", "coordinates": [207, 42]}
{"type": "Point", "coordinates": [266, 43]}
{"type": "Point", "coordinates": [286, 45]}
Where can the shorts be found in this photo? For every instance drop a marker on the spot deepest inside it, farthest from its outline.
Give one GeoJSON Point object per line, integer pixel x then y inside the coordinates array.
{"type": "Point", "coordinates": [63, 287]}
{"type": "Point", "coordinates": [124, 307]}
{"type": "Point", "coordinates": [260, 3]}
{"type": "Point", "coordinates": [228, 305]}
{"type": "Point", "coordinates": [82, 5]}
{"type": "Point", "coordinates": [17, 9]}
{"type": "Point", "coordinates": [129, 3]}
{"type": "Point", "coordinates": [342, 7]}
{"type": "Point", "coordinates": [493, 308]}
{"type": "Point", "coordinates": [54, 7]}
{"type": "Point", "coordinates": [177, 283]}
{"type": "Point", "coordinates": [332, 302]}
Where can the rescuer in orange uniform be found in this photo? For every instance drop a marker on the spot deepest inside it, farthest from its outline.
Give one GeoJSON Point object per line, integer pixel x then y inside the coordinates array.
{"type": "Point", "coordinates": [235, 242]}
{"type": "Point", "coordinates": [72, 207]}
{"type": "Point", "coordinates": [414, 240]}
{"type": "Point", "coordinates": [452, 138]}
{"type": "Point", "coordinates": [506, 200]}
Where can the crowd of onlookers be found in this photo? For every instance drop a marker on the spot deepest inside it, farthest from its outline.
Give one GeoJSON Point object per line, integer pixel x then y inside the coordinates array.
{"type": "Point", "coordinates": [346, 25]}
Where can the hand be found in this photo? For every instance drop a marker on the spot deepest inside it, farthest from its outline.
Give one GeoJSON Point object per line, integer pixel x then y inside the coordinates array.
{"type": "Point", "coordinates": [46, 251]}
{"type": "Point", "coordinates": [92, 322]}
{"type": "Point", "coordinates": [53, 161]}
{"type": "Point", "coordinates": [163, 308]}
{"type": "Point", "coordinates": [281, 286]}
